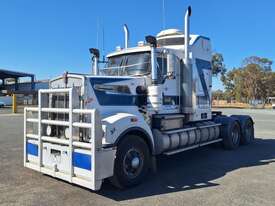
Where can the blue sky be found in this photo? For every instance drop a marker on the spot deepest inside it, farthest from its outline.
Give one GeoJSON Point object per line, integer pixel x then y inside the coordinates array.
{"type": "Point", "coordinates": [48, 37]}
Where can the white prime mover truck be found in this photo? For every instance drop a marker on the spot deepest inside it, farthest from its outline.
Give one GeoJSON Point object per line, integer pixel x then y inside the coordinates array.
{"type": "Point", "coordinates": [148, 100]}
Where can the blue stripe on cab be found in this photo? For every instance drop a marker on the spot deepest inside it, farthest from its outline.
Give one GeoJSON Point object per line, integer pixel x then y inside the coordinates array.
{"type": "Point", "coordinates": [32, 149]}
{"type": "Point", "coordinates": [201, 65]}
{"type": "Point", "coordinates": [107, 99]}
{"type": "Point", "coordinates": [82, 161]}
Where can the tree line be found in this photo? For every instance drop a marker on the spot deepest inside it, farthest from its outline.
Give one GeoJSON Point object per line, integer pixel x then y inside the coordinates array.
{"type": "Point", "coordinates": [254, 80]}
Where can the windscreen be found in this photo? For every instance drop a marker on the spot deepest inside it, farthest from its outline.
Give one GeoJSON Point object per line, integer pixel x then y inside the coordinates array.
{"type": "Point", "coordinates": [133, 64]}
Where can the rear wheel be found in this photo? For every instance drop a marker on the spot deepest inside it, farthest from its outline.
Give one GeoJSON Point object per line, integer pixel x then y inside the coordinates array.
{"type": "Point", "coordinates": [247, 132]}
{"type": "Point", "coordinates": [131, 163]}
{"type": "Point", "coordinates": [231, 134]}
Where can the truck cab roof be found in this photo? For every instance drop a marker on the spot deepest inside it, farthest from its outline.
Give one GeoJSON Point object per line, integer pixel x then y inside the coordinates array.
{"type": "Point", "coordinates": [168, 39]}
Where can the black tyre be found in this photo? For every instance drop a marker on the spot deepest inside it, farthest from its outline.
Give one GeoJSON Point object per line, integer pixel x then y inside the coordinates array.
{"type": "Point", "coordinates": [247, 132]}
{"type": "Point", "coordinates": [231, 134]}
{"type": "Point", "coordinates": [247, 128]}
{"type": "Point", "coordinates": [132, 162]}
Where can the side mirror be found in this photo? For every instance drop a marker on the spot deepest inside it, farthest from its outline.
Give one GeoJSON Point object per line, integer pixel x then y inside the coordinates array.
{"type": "Point", "coordinates": [94, 52]}
{"type": "Point", "coordinates": [95, 58]}
{"type": "Point", "coordinates": [151, 40]}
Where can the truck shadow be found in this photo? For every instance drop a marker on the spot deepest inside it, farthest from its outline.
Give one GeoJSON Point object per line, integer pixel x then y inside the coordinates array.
{"type": "Point", "coordinates": [195, 169]}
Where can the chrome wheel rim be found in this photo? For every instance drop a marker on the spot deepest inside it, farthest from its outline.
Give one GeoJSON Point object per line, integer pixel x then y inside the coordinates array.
{"type": "Point", "coordinates": [235, 136]}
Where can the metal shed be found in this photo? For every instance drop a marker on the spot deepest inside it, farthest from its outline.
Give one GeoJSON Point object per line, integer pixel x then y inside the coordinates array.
{"type": "Point", "coordinates": [15, 88]}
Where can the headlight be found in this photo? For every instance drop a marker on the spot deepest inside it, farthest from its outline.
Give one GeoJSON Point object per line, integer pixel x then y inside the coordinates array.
{"type": "Point", "coordinates": [49, 130]}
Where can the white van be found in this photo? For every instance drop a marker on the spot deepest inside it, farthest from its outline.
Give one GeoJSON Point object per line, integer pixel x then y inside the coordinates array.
{"type": "Point", "coordinates": [272, 101]}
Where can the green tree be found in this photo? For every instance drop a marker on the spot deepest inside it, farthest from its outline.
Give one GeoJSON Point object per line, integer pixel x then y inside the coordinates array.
{"type": "Point", "coordinates": [254, 85]}
{"type": "Point", "coordinates": [218, 66]}
{"type": "Point", "coordinates": [218, 95]}
{"type": "Point", "coordinates": [270, 84]}
{"type": "Point", "coordinates": [262, 62]}
{"type": "Point", "coordinates": [253, 81]}
{"type": "Point", "coordinates": [233, 83]}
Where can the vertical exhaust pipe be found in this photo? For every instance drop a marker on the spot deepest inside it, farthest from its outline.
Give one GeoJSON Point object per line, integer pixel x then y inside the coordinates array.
{"type": "Point", "coordinates": [126, 36]}
{"type": "Point", "coordinates": [95, 59]}
{"type": "Point", "coordinates": [187, 74]}
{"type": "Point", "coordinates": [187, 35]}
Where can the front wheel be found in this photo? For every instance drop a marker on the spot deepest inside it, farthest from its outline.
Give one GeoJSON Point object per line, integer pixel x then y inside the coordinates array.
{"type": "Point", "coordinates": [131, 163]}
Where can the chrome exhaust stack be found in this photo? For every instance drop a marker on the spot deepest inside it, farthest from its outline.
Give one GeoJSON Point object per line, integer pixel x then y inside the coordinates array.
{"type": "Point", "coordinates": [187, 35]}
{"type": "Point", "coordinates": [126, 36]}
{"type": "Point", "coordinates": [187, 78]}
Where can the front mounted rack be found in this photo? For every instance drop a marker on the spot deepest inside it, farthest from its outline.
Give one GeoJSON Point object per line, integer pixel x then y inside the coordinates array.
{"type": "Point", "coordinates": [70, 159]}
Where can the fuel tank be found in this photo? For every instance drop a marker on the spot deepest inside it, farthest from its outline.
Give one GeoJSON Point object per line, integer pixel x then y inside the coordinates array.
{"type": "Point", "coordinates": [190, 135]}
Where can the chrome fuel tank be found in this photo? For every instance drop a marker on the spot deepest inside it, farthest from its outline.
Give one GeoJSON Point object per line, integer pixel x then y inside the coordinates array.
{"type": "Point", "coordinates": [193, 135]}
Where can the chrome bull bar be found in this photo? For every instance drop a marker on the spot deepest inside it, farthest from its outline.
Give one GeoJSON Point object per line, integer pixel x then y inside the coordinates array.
{"type": "Point", "coordinates": [72, 160]}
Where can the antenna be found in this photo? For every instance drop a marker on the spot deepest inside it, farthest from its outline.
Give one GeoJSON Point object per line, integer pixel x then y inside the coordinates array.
{"type": "Point", "coordinates": [97, 33]}
{"type": "Point", "coordinates": [100, 37]}
{"type": "Point", "coordinates": [103, 44]}
{"type": "Point", "coordinates": [163, 14]}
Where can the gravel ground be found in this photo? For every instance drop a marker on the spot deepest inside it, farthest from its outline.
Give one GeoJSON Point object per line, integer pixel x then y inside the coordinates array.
{"type": "Point", "coordinates": [206, 176]}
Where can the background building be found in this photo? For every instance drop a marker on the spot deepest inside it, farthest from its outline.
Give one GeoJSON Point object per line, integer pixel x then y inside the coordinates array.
{"type": "Point", "coordinates": [23, 85]}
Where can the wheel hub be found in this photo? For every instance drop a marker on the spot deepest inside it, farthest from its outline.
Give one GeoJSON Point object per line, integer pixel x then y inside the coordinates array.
{"type": "Point", "coordinates": [135, 162]}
